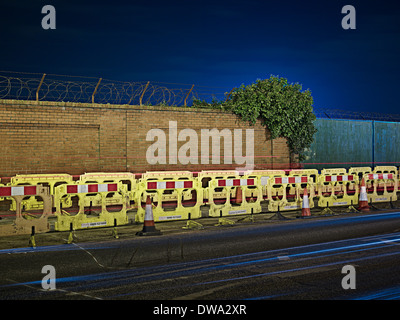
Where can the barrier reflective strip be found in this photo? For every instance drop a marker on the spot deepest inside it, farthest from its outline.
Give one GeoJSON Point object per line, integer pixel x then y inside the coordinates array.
{"type": "Point", "coordinates": [17, 191]}
{"type": "Point", "coordinates": [339, 178]}
{"type": "Point", "coordinates": [380, 176]}
{"type": "Point", "coordinates": [92, 188]}
{"type": "Point", "coordinates": [170, 185]}
{"type": "Point", "coordinates": [235, 182]}
{"type": "Point", "coordinates": [264, 181]}
{"type": "Point", "coordinates": [283, 180]}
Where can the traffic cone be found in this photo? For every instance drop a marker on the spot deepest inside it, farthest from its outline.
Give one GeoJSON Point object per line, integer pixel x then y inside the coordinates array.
{"type": "Point", "coordinates": [305, 209]}
{"type": "Point", "coordinates": [363, 200]}
{"type": "Point", "coordinates": [239, 195]}
{"type": "Point", "coordinates": [149, 228]}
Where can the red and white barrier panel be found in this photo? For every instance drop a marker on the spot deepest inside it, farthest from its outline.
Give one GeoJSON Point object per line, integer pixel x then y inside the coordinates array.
{"type": "Point", "coordinates": [339, 178]}
{"type": "Point", "coordinates": [92, 188]}
{"type": "Point", "coordinates": [169, 185]}
{"type": "Point", "coordinates": [283, 180]}
{"type": "Point", "coordinates": [236, 182]}
{"type": "Point", "coordinates": [380, 176]}
{"type": "Point", "coordinates": [18, 191]}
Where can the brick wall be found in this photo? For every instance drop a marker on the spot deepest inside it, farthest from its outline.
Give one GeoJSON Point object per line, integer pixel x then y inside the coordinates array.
{"type": "Point", "coordinates": [63, 137]}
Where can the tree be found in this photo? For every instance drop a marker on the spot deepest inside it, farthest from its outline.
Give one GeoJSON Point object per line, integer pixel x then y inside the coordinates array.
{"type": "Point", "coordinates": [284, 109]}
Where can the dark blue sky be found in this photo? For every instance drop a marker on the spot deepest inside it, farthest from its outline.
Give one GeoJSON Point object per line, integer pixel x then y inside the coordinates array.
{"type": "Point", "coordinates": [216, 44]}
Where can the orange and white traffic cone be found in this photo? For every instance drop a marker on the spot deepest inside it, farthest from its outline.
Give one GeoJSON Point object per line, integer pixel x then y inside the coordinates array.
{"type": "Point", "coordinates": [239, 195]}
{"type": "Point", "coordinates": [149, 229]}
{"type": "Point", "coordinates": [363, 200]}
{"type": "Point", "coordinates": [305, 209]}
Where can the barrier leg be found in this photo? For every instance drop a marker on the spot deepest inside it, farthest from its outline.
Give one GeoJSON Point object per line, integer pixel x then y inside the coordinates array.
{"type": "Point", "coordinates": [224, 221]}
{"type": "Point", "coordinates": [71, 235]}
{"type": "Point", "coordinates": [32, 241]}
{"type": "Point", "coordinates": [392, 206]}
{"type": "Point", "coordinates": [371, 205]}
{"type": "Point", "coordinates": [351, 208]}
{"type": "Point", "coordinates": [115, 233]}
{"type": "Point", "coordinates": [277, 215]}
{"type": "Point", "coordinates": [190, 224]}
{"type": "Point", "coordinates": [249, 217]}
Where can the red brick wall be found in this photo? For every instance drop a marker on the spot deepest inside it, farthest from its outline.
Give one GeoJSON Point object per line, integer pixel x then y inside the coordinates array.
{"type": "Point", "coordinates": [63, 137]}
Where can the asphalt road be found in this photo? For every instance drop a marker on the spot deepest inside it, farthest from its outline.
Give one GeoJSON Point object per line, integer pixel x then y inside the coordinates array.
{"type": "Point", "coordinates": [297, 259]}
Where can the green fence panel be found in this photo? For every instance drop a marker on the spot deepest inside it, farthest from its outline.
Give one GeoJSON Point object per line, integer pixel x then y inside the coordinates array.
{"type": "Point", "coordinates": [341, 144]}
{"type": "Point", "coordinates": [387, 143]}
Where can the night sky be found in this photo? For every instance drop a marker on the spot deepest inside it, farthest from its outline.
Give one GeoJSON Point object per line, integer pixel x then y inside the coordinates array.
{"type": "Point", "coordinates": [215, 43]}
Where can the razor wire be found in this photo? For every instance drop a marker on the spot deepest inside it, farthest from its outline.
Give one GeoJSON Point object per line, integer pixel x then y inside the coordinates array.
{"type": "Point", "coordinates": [64, 88]}
{"type": "Point", "coordinates": [43, 87]}
{"type": "Point", "coordinates": [332, 114]}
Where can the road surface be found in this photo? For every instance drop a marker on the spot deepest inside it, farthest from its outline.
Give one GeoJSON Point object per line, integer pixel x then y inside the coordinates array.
{"type": "Point", "coordinates": [300, 259]}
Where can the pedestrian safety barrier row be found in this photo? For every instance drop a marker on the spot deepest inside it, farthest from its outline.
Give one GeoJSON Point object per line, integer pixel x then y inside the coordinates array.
{"type": "Point", "coordinates": [109, 199]}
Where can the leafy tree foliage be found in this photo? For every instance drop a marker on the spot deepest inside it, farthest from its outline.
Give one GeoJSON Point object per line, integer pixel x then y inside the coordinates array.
{"type": "Point", "coordinates": [285, 109]}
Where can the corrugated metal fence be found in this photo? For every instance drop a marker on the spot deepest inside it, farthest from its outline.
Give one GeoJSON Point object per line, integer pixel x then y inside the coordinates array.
{"type": "Point", "coordinates": [343, 143]}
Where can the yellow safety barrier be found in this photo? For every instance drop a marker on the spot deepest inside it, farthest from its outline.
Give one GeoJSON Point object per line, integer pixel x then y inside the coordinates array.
{"type": "Point", "coordinates": [81, 218]}
{"type": "Point", "coordinates": [89, 202]}
{"type": "Point", "coordinates": [1, 185]}
{"type": "Point", "coordinates": [169, 195]}
{"type": "Point", "coordinates": [264, 176]}
{"type": "Point", "coordinates": [3, 198]}
{"type": "Point", "coordinates": [388, 169]}
{"type": "Point", "coordinates": [175, 196]}
{"type": "Point", "coordinates": [326, 187]}
{"type": "Point", "coordinates": [278, 192]}
{"type": "Point", "coordinates": [247, 196]}
{"type": "Point", "coordinates": [25, 222]}
{"type": "Point", "coordinates": [126, 178]}
{"type": "Point", "coordinates": [384, 187]}
{"type": "Point", "coordinates": [337, 188]}
{"type": "Point", "coordinates": [50, 180]}
{"type": "Point", "coordinates": [205, 177]}
{"type": "Point", "coordinates": [311, 174]}
{"type": "Point", "coordinates": [360, 172]}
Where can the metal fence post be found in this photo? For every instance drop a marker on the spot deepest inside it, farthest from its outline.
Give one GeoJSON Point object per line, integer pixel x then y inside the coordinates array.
{"type": "Point", "coordinates": [95, 89]}
{"type": "Point", "coordinates": [40, 84]}
{"type": "Point", "coordinates": [229, 94]}
{"type": "Point", "coordinates": [145, 88]}
{"type": "Point", "coordinates": [188, 94]}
